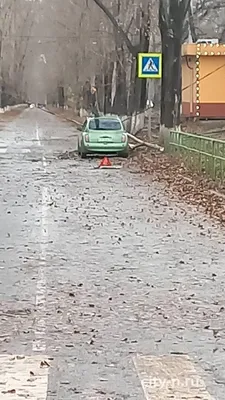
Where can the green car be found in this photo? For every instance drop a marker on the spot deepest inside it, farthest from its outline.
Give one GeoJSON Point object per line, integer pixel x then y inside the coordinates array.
{"type": "Point", "coordinates": [103, 135]}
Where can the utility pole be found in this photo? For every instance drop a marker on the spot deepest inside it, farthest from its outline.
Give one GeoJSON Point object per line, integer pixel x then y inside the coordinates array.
{"type": "Point", "coordinates": [150, 109]}
{"type": "Point", "coordinates": [149, 97]}
{"type": "Point", "coordinates": [13, 32]}
{"type": "Point", "coordinates": [1, 60]}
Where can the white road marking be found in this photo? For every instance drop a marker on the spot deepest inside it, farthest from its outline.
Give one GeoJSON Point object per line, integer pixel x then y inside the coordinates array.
{"type": "Point", "coordinates": [3, 150]}
{"type": "Point", "coordinates": [44, 162]}
{"type": "Point", "coordinates": [169, 377]}
{"type": "Point", "coordinates": [40, 324]}
{"type": "Point", "coordinates": [44, 220]}
{"type": "Point", "coordinates": [38, 138]}
{"type": "Point", "coordinates": [39, 343]}
{"type": "Point", "coordinates": [37, 135]}
{"type": "Point", "coordinates": [23, 377]}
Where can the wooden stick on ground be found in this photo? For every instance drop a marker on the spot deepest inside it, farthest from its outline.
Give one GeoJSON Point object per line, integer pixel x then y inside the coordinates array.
{"type": "Point", "coordinates": [135, 146]}
{"type": "Point", "coordinates": [150, 145]}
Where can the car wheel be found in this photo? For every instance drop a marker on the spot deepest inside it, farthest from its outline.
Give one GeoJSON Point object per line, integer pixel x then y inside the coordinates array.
{"type": "Point", "coordinates": [83, 155]}
{"type": "Point", "coordinates": [125, 154]}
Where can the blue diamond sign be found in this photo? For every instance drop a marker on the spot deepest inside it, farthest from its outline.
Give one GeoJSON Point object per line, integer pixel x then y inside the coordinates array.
{"type": "Point", "coordinates": [150, 65]}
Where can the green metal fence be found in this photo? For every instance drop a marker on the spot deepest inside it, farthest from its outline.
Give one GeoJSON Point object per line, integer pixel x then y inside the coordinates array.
{"type": "Point", "coordinates": [201, 153]}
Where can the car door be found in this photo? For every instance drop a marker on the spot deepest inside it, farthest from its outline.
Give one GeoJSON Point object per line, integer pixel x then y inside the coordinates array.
{"type": "Point", "coordinates": [83, 128]}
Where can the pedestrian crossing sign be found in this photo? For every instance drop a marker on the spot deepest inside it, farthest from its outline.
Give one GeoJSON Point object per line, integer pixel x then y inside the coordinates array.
{"type": "Point", "coordinates": [150, 65]}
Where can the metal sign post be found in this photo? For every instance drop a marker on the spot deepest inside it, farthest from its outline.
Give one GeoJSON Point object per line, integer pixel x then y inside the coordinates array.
{"type": "Point", "coordinates": [1, 64]}
{"type": "Point", "coordinates": [150, 67]}
{"type": "Point", "coordinates": [149, 110]}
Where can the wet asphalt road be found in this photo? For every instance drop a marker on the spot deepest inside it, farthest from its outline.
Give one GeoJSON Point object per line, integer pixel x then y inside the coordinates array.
{"type": "Point", "coordinates": [98, 266]}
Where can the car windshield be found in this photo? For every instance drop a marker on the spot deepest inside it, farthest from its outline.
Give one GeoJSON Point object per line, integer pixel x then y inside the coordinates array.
{"type": "Point", "coordinates": [105, 125]}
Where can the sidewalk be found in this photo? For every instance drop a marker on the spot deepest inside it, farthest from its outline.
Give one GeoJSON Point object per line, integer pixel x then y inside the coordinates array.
{"type": "Point", "coordinates": [10, 115]}
{"type": "Point", "coordinates": [66, 114]}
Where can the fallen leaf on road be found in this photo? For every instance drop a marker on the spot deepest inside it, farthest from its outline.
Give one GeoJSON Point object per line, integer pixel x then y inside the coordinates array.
{"type": "Point", "coordinates": [44, 364]}
{"type": "Point", "coordinates": [99, 391]}
{"type": "Point", "coordinates": [12, 391]}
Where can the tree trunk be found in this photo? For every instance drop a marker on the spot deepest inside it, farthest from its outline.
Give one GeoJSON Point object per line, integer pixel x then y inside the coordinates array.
{"type": "Point", "coordinates": [131, 102]}
{"type": "Point", "coordinates": [167, 87]}
{"type": "Point", "coordinates": [177, 79]}
{"type": "Point", "coordinates": [107, 88]}
{"type": "Point", "coordinates": [171, 23]}
{"type": "Point", "coordinates": [139, 93]}
{"type": "Point", "coordinates": [120, 100]}
{"type": "Point", "coordinates": [61, 96]}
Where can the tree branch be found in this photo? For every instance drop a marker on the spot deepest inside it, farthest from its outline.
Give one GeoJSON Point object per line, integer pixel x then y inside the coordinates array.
{"type": "Point", "coordinates": [123, 35]}
{"type": "Point", "coordinates": [192, 25]}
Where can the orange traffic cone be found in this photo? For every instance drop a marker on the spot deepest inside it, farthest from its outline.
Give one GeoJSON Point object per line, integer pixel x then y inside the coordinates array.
{"type": "Point", "coordinates": [105, 162]}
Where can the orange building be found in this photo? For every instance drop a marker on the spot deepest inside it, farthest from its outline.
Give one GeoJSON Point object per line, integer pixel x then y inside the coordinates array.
{"type": "Point", "coordinates": [203, 81]}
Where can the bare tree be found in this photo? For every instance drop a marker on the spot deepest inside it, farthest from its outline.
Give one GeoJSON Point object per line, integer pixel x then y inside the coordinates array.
{"type": "Point", "coordinates": [15, 29]}
{"type": "Point", "coordinates": [141, 23]}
